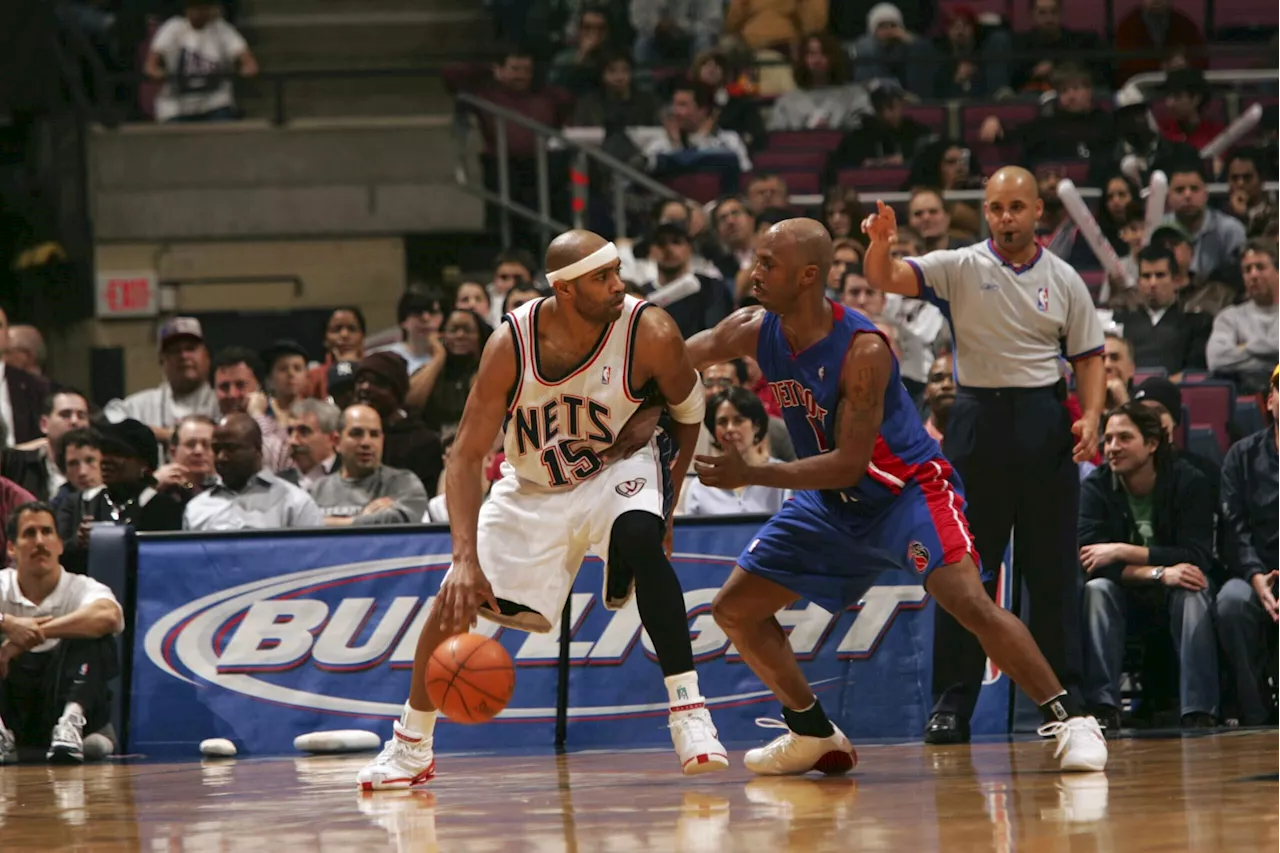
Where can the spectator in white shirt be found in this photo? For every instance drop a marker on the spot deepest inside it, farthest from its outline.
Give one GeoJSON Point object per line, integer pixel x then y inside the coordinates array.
{"type": "Point", "coordinates": [194, 53]}
{"type": "Point", "coordinates": [738, 423]}
{"type": "Point", "coordinates": [1243, 345]}
{"type": "Point", "coordinates": [184, 360]}
{"type": "Point", "coordinates": [246, 495]}
{"type": "Point", "coordinates": [313, 438]}
{"type": "Point", "coordinates": [59, 648]}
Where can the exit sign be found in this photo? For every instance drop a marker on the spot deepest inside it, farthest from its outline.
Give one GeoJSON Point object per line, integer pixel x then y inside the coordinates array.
{"type": "Point", "coordinates": [128, 294]}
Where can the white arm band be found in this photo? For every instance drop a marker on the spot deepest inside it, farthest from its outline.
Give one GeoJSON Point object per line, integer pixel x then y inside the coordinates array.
{"type": "Point", "coordinates": [692, 409]}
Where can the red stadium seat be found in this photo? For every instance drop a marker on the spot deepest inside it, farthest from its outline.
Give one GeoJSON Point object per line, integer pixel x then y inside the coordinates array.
{"type": "Point", "coordinates": [932, 117]}
{"type": "Point", "coordinates": [1076, 170]}
{"type": "Point", "coordinates": [787, 159]}
{"type": "Point", "coordinates": [805, 140]}
{"type": "Point", "coordinates": [1193, 9]}
{"type": "Point", "coordinates": [702, 187]}
{"type": "Point", "coordinates": [1244, 13]}
{"type": "Point", "coordinates": [992, 157]}
{"type": "Point", "coordinates": [1211, 403]}
{"type": "Point", "coordinates": [1093, 280]}
{"type": "Point", "coordinates": [886, 178]}
{"type": "Point", "coordinates": [1144, 373]}
{"type": "Point", "coordinates": [1088, 15]}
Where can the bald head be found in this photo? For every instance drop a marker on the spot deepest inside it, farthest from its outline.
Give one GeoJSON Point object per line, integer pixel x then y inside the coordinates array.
{"type": "Point", "coordinates": [242, 429]}
{"type": "Point", "coordinates": [804, 242]}
{"type": "Point", "coordinates": [1013, 180]}
{"type": "Point", "coordinates": [571, 247]}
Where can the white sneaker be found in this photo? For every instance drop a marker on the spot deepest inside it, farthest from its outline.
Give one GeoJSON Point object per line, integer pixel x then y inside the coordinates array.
{"type": "Point", "coordinates": [8, 747]}
{"type": "Point", "coordinates": [793, 754]}
{"type": "Point", "coordinates": [697, 742]}
{"type": "Point", "coordinates": [1081, 745]}
{"type": "Point", "coordinates": [67, 743]}
{"type": "Point", "coordinates": [406, 760]}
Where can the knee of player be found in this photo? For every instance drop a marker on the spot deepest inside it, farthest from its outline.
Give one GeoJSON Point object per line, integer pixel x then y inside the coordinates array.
{"type": "Point", "coordinates": [969, 604]}
{"type": "Point", "coordinates": [727, 615]}
{"type": "Point", "coordinates": [637, 538]}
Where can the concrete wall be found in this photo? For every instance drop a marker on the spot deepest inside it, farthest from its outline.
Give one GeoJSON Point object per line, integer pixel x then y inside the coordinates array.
{"type": "Point", "coordinates": [250, 179]}
{"type": "Point", "coordinates": [369, 272]}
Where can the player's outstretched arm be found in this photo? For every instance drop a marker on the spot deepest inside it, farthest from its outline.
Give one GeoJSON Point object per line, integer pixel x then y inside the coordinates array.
{"type": "Point", "coordinates": [881, 269]}
{"type": "Point", "coordinates": [466, 587]}
{"type": "Point", "coordinates": [864, 376]}
{"type": "Point", "coordinates": [733, 337]}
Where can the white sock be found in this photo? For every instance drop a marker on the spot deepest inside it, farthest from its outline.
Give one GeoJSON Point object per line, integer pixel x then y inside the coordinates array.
{"type": "Point", "coordinates": [682, 691]}
{"type": "Point", "coordinates": [72, 708]}
{"type": "Point", "coordinates": [419, 722]}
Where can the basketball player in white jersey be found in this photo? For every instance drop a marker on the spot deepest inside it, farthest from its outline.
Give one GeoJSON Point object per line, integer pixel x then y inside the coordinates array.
{"type": "Point", "coordinates": [565, 373]}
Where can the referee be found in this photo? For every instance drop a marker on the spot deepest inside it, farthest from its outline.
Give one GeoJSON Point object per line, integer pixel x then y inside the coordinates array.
{"type": "Point", "coordinates": [1014, 310]}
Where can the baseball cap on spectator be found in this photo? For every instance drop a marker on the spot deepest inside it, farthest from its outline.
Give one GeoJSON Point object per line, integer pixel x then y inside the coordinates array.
{"type": "Point", "coordinates": [129, 438]}
{"type": "Point", "coordinates": [282, 347]}
{"type": "Point", "coordinates": [1130, 96]}
{"type": "Point", "coordinates": [1160, 390]}
{"type": "Point", "coordinates": [341, 374]}
{"type": "Point", "coordinates": [390, 368]}
{"type": "Point", "coordinates": [885, 91]}
{"type": "Point", "coordinates": [671, 227]}
{"type": "Point", "coordinates": [179, 327]}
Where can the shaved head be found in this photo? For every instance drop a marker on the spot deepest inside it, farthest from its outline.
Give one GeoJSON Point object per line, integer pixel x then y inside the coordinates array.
{"type": "Point", "coordinates": [1012, 208]}
{"type": "Point", "coordinates": [806, 242]}
{"type": "Point", "coordinates": [571, 247]}
{"type": "Point", "coordinates": [1013, 179]}
{"type": "Point", "coordinates": [243, 427]}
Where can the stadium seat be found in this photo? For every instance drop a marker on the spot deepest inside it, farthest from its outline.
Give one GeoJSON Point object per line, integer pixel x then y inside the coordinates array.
{"type": "Point", "coordinates": [1191, 376]}
{"type": "Point", "coordinates": [992, 157]}
{"type": "Point", "coordinates": [786, 159]}
{"type": "Point", "coordinates": [932, 117]}
{"type": "Point", "coordinates": [1244, 13]}
{"type": "Point", "coordinates": [1076, 170]}
{"type": "Point", "coordinates": [1248, 416]}
{"type": "Point", "coordinates": [1144, 373]}
{"type": "Point", "coordinates": [1087, 15]}
{"type": "Point", "coordinates": [702, 187]}
{"type": "Point", "coordinates": [1093, 280]}
{"type": "Point", "coordinates": [1204, 441]}
{"type": "Point", "coordinates": [805, 140]}
{"type": "Point", "coordinates": [1212, 404]}
{"type": "Point", "coordinates": [1193, 9]}
{"type": "Point", "coordinates": [886, 178]}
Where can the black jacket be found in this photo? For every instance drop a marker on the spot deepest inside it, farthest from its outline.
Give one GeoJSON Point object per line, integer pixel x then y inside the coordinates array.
{"type": "Point", "coordinates": [151, 511]}
{"type": "Point", "coordinates": [1249, 505]}
{"type": "Point", "coordinates": [27, 469]}
{"type": "Point", "coordinates": [1181, 515]}
{"type": "Point", "coordinates": [1176, 343]}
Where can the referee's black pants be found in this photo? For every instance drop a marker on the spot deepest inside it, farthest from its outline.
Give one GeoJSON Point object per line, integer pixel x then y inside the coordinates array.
{"type": "Point", "coordinates": [1012, 448]}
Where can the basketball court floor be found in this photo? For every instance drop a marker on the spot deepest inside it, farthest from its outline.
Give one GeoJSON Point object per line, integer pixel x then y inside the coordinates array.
{"type": "Point", "coordinates": [1215, 793]}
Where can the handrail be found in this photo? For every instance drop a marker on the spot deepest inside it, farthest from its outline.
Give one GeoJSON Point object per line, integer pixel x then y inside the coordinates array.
{"type": "Point", "coordinates": [1222, 75]}
{"type": "Point", "coordinates": [622, 173]}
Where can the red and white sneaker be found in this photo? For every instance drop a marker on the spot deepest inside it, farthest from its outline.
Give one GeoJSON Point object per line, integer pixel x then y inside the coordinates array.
{"type": "Point", "coordinates": [405, 761]}
{"type": "Point", "coordinates": [793, 754]}
{"type": "Point", "coordinates": [697, 742]}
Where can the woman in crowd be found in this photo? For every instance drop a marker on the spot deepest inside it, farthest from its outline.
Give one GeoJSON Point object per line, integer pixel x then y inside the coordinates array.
{"type": "Point", "coordinates": [842, 212]}
{"type": "Point", "coordinates": [472, 296]}
{"type": "Point", "coordinates": [440, 389]}
{"type": "Point", "coordinates": [734, 99]}
{"type": "Point", "coordinates": [948, 165]}
{"type": "Point", "coordinates": [343, 341]}
{"type": "Point", "coordinates": [825, 96]}
{"type": "Point", "coordinates": [1119, 192]}
{"type": "Point", "coordinates": [736, 419]}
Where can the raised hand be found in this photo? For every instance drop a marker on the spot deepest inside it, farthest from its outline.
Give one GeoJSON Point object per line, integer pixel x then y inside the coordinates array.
{"type": "Point", "coordinates": [881, 226]}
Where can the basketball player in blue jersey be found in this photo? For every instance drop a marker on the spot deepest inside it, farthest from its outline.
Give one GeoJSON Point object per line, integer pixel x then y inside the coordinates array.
{"type": "Point", "coordinates": [872, 492]}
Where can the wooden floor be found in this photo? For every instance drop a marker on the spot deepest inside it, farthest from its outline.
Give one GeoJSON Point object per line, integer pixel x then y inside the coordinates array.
{"type": "Point", "coordinates": [1215, 793]}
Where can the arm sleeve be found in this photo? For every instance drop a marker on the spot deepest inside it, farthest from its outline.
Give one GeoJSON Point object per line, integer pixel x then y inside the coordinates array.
{"type": "Point", "coordinates": [410, 502]}
{"type": "Point", "coordinates": [937, 273]}
{"type": "Point", "coordinates": [232, 41]}
{"type": "Point", "coordinates": [1193, 524]}
{"type": "Point", "coordinates": [1095, 525]}
{"type": "Point", "coordinates": [1198, 341]}
{"type": "Point", "coordinates": [784, 116]}
{"type": "Point", "coordinates": [166, 40]}
{"type": "Point", "coordinates": [305, 513]}
{"type": "Point", "coordinates": [1241, 552]}
{"type": "Point", "coordinates": [1084, 331]}
{"type": "Point", "coordinates": [1223, 352]}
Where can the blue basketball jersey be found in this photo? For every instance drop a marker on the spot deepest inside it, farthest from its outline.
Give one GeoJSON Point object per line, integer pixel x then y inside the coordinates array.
{"type": "Point", "coordinates": [807, 387]}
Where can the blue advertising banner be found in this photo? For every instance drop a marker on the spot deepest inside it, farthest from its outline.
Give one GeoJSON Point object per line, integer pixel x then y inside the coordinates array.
{"type": "Point", "coordinates": [261, 638]}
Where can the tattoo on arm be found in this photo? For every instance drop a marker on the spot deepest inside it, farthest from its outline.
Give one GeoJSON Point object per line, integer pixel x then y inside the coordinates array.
{"type": "Point", "coordinates": [861, 408]}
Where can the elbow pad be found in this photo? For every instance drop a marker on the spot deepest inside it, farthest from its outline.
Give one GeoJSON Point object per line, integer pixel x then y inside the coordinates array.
{"type": "Point", "coordinates": [692, 409]}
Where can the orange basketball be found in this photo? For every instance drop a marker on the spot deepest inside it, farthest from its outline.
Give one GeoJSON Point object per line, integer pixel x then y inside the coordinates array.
{"type": "Point", "coordinates": [470, 678]}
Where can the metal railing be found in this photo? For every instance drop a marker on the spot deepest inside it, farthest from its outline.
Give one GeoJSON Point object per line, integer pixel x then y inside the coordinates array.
{"type": "Point", "coordinates": [622, 177]}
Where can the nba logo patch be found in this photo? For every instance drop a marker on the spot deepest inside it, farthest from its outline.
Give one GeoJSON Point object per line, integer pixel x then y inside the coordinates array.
{"type": "Point", "coordinates": [919, 556]}
{"type": "Point", "coordinates": [1042, 299]}
{"type": "Point", "coordinates": [606, 373]}
{"type": "Point", "coordinates": [822, 373]}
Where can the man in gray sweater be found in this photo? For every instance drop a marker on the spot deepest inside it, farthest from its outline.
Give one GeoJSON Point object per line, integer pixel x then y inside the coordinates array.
{"type": "Point", "coordinates": [1243, 345]}
{"type": "Point", "coordinates": [363, 490]}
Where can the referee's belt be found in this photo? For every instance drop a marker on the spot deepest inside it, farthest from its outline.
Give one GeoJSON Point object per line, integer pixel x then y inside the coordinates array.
{"type": "Point", "coordinates": [1057, 391]}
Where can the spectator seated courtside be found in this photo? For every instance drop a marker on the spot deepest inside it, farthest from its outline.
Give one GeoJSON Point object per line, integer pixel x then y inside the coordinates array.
{"type": "Point", "coordinates": [364, 491]}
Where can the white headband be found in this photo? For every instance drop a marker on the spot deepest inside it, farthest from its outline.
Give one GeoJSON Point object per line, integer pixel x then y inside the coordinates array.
{"type": "Point", "coordinates": [606, 254]}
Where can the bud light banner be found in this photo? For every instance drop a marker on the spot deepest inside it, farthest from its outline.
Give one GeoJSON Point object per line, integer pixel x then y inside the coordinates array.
{"type": "Point", "coordinates": [259, 638]}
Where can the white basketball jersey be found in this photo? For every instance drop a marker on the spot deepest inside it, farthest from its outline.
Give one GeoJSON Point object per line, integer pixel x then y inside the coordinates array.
{"type": "Point", "coordinates": [556, 430]}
